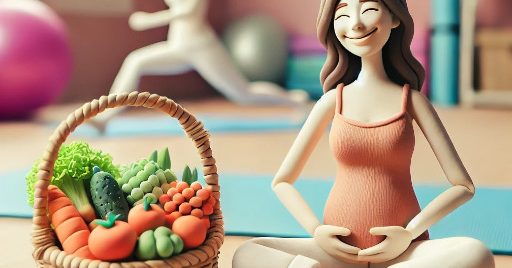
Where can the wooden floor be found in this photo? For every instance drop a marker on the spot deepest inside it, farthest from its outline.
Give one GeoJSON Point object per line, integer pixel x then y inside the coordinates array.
{"type": "Point", "coordinates": [482, 137]}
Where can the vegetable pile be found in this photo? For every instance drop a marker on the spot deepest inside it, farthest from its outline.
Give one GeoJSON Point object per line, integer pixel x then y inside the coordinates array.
{"type": "Point", "coordinates": [71, 173]}
{"type": "Point", "coordinates": [140, 211]}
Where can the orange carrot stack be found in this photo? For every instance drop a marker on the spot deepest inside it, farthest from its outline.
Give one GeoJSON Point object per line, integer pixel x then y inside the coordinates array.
{"type": "Point", "coordinates": [70, 227]}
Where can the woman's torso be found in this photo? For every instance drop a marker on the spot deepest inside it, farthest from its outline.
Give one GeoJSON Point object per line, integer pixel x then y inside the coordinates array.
{"type": "Point", "coordinates": [373, 183]}
{"type": "Point", "coordinates": [191, 29]}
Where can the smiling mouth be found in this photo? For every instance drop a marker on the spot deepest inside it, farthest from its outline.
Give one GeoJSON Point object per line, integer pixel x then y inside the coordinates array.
{"type": "Point", "coordinates": [364, 36]}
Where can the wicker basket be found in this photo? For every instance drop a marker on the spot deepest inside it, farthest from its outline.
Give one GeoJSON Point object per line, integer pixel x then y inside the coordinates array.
{"type": "Point", "coordinates": [47, 254]}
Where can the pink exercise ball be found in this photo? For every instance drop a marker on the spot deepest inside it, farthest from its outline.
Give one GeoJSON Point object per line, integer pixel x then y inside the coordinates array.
{"type": "Point", "coordinates": [35, 57]}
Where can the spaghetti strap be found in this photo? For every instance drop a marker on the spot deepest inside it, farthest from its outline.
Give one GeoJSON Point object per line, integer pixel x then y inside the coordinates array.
{"type": "Point", "coordinates": [405, 97]}
{"type": "Point", "coordinates": [339, 103]}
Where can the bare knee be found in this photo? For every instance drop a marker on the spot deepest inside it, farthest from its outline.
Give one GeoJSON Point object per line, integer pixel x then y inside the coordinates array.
{"type": "Point", "coordinates": [476, 254]}
{"type": "Point", "coordinates": [244, 252]}
{"type": "Point", "coordinates": [463, 252]}
{"type": "Point", "coordinates": [256, 253]}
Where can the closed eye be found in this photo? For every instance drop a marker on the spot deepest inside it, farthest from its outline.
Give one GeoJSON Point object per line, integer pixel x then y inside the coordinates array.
{"type": "Point", "coordinates": [341, 15]}
{"type": "Point", "coordinates": [370, 9]}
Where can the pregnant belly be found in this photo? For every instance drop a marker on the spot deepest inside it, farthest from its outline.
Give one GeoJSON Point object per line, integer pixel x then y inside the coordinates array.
{"type": "Point", "coordinates": [359, 211]}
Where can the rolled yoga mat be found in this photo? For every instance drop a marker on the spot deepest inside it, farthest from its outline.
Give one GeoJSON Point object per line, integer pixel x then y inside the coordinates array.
{"type": "Point", "coordinates": [303, 72]}
{"type": "Point", "coordinates": [445, 52]}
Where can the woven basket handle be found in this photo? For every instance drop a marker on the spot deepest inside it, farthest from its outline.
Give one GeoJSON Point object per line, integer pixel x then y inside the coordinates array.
{"type": "Point", "coordinates": [41, 236]}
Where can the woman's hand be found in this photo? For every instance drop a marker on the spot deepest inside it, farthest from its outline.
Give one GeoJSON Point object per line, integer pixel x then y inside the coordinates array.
{"type": "Point", "coordinates": [326, 236]}
{"type": "Point", "coordinates": [397, 241]}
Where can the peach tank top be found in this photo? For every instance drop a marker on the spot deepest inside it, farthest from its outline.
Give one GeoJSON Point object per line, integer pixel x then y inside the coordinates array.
{"type": "Point", "coordinates": [373, 184]}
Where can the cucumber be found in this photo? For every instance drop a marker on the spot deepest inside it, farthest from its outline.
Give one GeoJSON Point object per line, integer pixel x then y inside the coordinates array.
{"type": "Point", "coordinates": [107, 196]}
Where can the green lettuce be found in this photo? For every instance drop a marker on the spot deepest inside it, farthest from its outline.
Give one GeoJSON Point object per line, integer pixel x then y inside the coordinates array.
{"type": "Point", "coordinates": [73, 170]}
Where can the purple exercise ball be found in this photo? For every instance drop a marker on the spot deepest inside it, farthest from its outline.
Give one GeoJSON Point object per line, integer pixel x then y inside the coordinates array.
{"type": "Point", "coordinates": [35, 57]}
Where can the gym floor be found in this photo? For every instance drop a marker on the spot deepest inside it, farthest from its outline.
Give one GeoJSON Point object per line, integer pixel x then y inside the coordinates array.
{"type": "Point", "coordinates": [481, 136]}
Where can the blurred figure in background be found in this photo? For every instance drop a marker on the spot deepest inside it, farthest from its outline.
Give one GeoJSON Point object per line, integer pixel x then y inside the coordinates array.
{"type": "Point", "coordinates": [192, 45]}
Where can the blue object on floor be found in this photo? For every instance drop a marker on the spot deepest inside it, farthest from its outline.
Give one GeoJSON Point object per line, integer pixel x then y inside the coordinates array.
{"type": "Point", "coordinates": [250, 208]}
{"type": "Point", "coordinates": [13, 195]}
{"type": "Point", "coordinates": [165, 125]}
{"type": "Point", "coordinates": [445, 52]}
{"type": "Point", "coordinates": [303, 72]}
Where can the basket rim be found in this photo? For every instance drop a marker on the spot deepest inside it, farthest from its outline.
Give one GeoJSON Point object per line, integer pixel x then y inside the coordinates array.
{"type": "Point", "coordinates": [43, 238]}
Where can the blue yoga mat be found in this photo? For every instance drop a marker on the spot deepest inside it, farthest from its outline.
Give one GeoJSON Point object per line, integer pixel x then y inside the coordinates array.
{"type": "Point", "coordinates": [165, 125]}
{"type": "Point", "coordinates": [251, 209]}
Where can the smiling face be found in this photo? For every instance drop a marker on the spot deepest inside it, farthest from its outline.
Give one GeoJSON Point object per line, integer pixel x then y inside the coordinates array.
{"type": "Point", "coordinates": [363, 26]}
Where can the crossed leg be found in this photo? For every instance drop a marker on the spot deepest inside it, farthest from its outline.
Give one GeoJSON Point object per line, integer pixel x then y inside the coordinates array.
{"type": "Point", "coordinates": [456, 252]}
{"type": "Point", "coordinates": [285, 252]}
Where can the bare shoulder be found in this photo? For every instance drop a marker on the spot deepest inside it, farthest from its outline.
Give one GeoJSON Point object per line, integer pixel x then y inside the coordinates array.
{"type": "Point", "coordinates": [418, 98]}
{"type": "Point", "coordinates": [418, 103]}
{"type": "Point", "coordinates": [326, 103]}
{"type": "Point", "coordinates": [422, 111]}
{"type": "Point", "coordinates": [329, 98]}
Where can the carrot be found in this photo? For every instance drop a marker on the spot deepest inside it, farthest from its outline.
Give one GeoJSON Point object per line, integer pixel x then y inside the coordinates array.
{"type": "Point", "coordinates": [76, 240]}
{"type": "Point", "coordinates": [57, 204]}
{"type": "Point", "coordinates": [64, 214]}
{"type": "Point", "coordinates": [70, 227]}
{"type": "Point", "coordinates": [84, 252]}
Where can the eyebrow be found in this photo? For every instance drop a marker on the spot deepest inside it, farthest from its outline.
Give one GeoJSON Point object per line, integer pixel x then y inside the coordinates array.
{"type": "Point", "coordinates": [340, 5]}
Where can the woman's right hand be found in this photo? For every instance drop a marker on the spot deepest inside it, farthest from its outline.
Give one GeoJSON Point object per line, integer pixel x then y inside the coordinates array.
{"type": "Point", "coordinates": [326, 236]}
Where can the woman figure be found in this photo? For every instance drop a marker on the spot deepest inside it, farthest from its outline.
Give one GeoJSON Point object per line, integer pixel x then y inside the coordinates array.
{"type": "Point", "coordinates": [192, 45]}
{"type": "Point", "coordinates": [372, 217]}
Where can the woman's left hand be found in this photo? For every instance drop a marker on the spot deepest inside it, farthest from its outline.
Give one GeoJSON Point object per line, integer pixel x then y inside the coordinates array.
{"type": "Point", "coordinates": [397, 241]}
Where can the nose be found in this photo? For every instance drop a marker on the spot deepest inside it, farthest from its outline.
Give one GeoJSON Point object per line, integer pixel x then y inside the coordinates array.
{"type": "Point", "coordinates": [357, 25]}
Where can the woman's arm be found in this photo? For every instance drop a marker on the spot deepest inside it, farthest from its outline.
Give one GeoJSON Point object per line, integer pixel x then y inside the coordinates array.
{"type": "Point", "coordinates": [313, 129]}
{"type": "Point", "coordinates": [140, 21]}
{"type": "Point", "coordinates": [462, 189]}
{"type": "Point", "coordinates": [326, 236]}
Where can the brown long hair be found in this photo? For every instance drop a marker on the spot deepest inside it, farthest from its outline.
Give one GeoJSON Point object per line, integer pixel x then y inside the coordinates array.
{"type": "Point", "coordinates": [341, 66]}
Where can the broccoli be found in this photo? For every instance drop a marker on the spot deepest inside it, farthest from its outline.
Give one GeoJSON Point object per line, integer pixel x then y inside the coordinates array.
{"type": "Point", "coordinates": [73, 167]}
